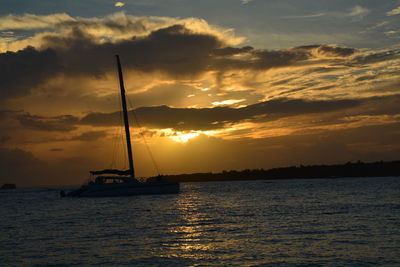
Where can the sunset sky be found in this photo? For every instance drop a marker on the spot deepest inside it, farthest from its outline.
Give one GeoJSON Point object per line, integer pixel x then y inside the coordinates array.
{"type": "Point", "coordinates": [216, 85]}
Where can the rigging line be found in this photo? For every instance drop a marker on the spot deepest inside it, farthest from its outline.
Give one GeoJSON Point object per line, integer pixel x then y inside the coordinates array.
{"type": "Point", "coordinates": [120, 157]}
{"type": "Point", "coordinates": [117, 134]}
{"type": "Point", "coordinates": [144, 138]}
{"type": "Point", "coordinates": [122, 139]}
{"type": "Point", "coordinates": [114, 151]}
{"type": "Point", "coordinates": [125, 152]}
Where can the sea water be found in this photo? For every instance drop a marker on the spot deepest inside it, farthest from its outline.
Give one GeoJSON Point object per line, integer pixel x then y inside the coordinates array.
{"type": "Point", "coordinates": [330, 222]}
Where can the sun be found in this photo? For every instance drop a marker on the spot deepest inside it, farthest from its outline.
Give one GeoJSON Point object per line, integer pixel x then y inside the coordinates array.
{"type": "Point", "coordinates": [183, 138]}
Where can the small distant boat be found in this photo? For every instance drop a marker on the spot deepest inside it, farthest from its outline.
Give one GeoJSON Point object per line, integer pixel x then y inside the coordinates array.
{"type": "Point", "coordinates": [111, 182]}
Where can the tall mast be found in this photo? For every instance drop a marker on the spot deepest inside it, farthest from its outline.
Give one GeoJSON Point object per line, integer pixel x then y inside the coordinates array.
{"type": "Point", "coordinates": [126, 122]}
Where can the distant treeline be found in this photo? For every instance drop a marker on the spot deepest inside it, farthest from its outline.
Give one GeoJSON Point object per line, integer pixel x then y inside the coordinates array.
{"type": "Point", "coordinates": [356, 169]}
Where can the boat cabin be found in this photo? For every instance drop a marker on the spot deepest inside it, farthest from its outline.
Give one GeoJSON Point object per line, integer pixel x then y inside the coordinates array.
{"type": "Point", "coordinates": [113, 180]}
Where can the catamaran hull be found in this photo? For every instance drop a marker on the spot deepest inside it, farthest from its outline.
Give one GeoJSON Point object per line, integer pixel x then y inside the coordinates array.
{"type": "Point", "coordinates": [125, 189]}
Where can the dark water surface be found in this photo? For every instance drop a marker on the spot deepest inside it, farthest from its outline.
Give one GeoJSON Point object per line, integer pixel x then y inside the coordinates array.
{"type": "Point", "coordinates": [334, 222]}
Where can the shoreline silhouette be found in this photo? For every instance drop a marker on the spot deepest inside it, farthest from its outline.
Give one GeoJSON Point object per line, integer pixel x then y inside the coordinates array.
{"type": "Point", "coordinates": [349, 169]}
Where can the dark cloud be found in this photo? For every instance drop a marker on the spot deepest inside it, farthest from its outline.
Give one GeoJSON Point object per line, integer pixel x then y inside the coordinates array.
{"type": "Point", "coordinates": [56, 149]}
{"type": "Point", "coordinates": [4, 139]}
{"type": "Point", "coordinates": [376, 57]}
{"type": "Point", "coordinates": [382, 105]}
{"type": "Point", "coordinates": [213, 118]}
{"type": "Point", "coordinates": [323, 88]}
{"type": "Point", "coordinates": [174, 50]}
{"type": "Point", "coordinates": [377, 75]}
{"type": "Point", "coordinates": [230, 51]}
{"type": "Point", "coordinates": [263, 60]}
{"type": "Point", "coordinates": [386, 87]}
{"type": "Point", "coordinates": [366, 78]}
{"type": "Point", "coordinates": [284, 81]}
{"type": "Point", "coordinates": [3, 114]}
{"type": "Point", "coordinates": [41, 123]}
{"type": "Point", "coordinates": [13, 158]}
{"type": "Point", "coordinates": [24, 169]}
{"type": "Point", "coordinates": [218, 117]}
{"type": "Point", "coordinates": [302, 86]}
{"type": "Point", "coordinates": [322, 70]}
{"type": "Point", "coordinates": [17, 166]}
{"type": "Point", "coordinates": [366, 143]}
{"type": "Point", "coordinates": [266, 59]}
{"type": "Point", "coordinates": [89, 136]}
{"type": "Point", "coordinates": [328, 50]}
{"type": "Point", "coordinates": [21, 71]}
{"type": "Point", "coordinates": [269, 59]}
{"type": "Point", "coordinates": [336, 51]}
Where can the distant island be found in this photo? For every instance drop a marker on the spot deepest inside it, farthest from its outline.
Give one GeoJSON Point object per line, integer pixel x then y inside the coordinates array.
{"type": "Point", "coordinates": [349, 169]}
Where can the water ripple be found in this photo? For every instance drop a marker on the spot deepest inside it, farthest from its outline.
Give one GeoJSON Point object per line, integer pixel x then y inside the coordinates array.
{"type": "Point", "coordinates": [335, 222]}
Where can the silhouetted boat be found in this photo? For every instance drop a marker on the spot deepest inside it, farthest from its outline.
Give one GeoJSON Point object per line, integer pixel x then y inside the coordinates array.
{"type": "Point", "coordinates": [111, 182]}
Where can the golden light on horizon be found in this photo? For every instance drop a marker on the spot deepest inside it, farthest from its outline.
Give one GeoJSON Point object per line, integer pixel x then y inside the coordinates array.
{"type": "Point", "coordinates": [183, 138]}
{"type": "Point", "coordinates": [227, 102]}
{"type": "Point", "coordinates": [198, 90]}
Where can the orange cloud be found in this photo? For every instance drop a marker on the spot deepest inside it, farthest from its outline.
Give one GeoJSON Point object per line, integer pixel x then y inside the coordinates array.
{"type": "Point", "coordinates": [189, 82]}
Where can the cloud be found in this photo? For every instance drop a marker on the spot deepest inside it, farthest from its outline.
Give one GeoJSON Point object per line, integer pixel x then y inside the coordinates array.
{"type": "Point", "coordinates": [393, 12]}
{"type": "Point", "coordinates": [391, 33]}
{"type": "Point", "coordinates": [284, 150]}
{"type": "Point", "coordinates": [56, 149]}
{"type": "Point", "coordinates": [227, 102]}
{"type": "Point", "coordinates": [334, 51]}
{"type": "Point", "coordinates": [175, 51]}
{"type": "Point", "coordinates": [284, 103]}
{"type": "Point", "coordinates": [218, 117]}
{"type": "Point", "coordinates": [376, 57]}
{"type": "Point", "coordinates": [119, 4]}
{"type": "Point", "coordinates": [40, 123]}
{"type": "Point", "coordinates": [230, 51]}
{"type": "Point", "coordinates": [172, 94]}
{"type": "Point", "coordinates": [262, 119]}
{"type": "Point", "coordinates": [25, 169]}
{"type": "Point", "coordinates": [89, 136]}
{"type": "Point", "coordinates": [4, 139]}
{"type": "Point", "coordinates": [358, 12]}
{"type": "Point", "coordinates": [114, 27]}
{"type": "Point", "coordinates": [316, 15]}
{"type": "Point", "coordinates": [379, 25]}
{"type": "Point", "coordinates": [17, 166]}
{"type": "Point", "coordinates": [32, 21]}
{"type": "Point", "coordinates": [186, 119]}
{"type": "Point", "coordinates": [25, 69]}
{"type": "Point", "coordinates": [266, 59]}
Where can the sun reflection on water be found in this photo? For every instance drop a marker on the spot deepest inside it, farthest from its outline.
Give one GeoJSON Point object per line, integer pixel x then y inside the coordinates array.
{"type": "Point", "coordinates": [191, 241]}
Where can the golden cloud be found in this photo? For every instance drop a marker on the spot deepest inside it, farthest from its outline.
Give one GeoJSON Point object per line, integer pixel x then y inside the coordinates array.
{"type": "Point", "coordinates": [115, 27]}
{"type": "Point", "coordinates": [119, 4]}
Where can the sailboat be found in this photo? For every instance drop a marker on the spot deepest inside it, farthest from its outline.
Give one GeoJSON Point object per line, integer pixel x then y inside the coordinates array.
{"type": "Point", "coordinates": [111, 182]}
